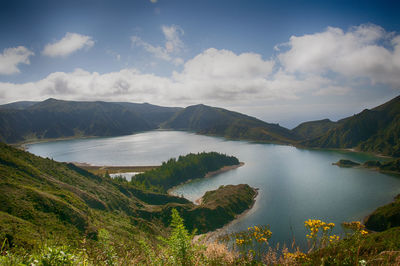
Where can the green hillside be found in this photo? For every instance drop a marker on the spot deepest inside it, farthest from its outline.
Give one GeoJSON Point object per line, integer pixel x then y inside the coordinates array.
{"type": "Point", "coordinates": [209, 120]}
{"type": "Point", "coordinates": [376, 130]}
{"type": "Point", "coordinates": [46, 200]}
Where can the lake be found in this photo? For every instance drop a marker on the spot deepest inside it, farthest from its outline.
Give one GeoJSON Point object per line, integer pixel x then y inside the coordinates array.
{"type": "Point", "coordinates": [294, 184]}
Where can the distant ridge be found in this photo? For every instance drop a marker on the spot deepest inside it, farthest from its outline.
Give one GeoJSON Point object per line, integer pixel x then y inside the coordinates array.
{"type": "Point", "coordinates": [58, 119]}
{"type": "Point", "coordinates": [376, 130]}
{"type": "Point", "coordinates": [313, 129]}
{"type": "Point", "coordinates": [209, 120]}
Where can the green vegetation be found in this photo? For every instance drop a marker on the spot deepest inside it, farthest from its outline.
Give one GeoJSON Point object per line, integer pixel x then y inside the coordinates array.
{"type": "Point", "coordinates": [54, 212]}
{"type": "Point", "coordinates": [385, 217]}
{"type": "Point", "coordinates": [102, 170]}
{"type": "Point", "coordinates": [376, 130]}
{"type": "Point", "coordinates": [346, 163]}
{"type": "Point", "coordinates": [175, 172]}
{"type": "Point", "coordinates": [214, 121]}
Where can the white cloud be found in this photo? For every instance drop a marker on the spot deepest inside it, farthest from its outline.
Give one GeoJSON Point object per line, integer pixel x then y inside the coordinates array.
{"type": "Point", "coordinates": [12, 57]}
{"type": "Point", "coordinates": [325, 65]}
{"type": "Point", "coordinates": [173, 45]}
{"type": "Point", "coordinates": [213, 75]}
{"type": "Point", "coordinates": [357, 53]}
{"type": "Point", "coordinates": [69, 44]}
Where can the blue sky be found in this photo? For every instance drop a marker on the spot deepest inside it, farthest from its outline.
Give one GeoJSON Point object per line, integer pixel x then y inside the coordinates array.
{"type": "Point", "coordinates": [281, 61]}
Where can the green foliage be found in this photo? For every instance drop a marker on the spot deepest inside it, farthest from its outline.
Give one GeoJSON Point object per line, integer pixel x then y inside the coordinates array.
{"type": "Point", "coordinates": [174, 172]}
{"type": "Point", "coordinates": [180, 250]}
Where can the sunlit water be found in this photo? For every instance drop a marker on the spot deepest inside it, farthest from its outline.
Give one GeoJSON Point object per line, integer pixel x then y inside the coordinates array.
{"type": "Point", "coordinates": [294, 184]}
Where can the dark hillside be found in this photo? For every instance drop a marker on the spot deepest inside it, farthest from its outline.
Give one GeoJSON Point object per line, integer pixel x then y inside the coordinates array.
{"type": "Point", "coordinates": [376, 130]}
{"type": "Point", "coordinates": [209, 120]}
{"type": "Point", "coordinates": [59, 119]}
{"type": "Point", "coordinates": [313, 129]}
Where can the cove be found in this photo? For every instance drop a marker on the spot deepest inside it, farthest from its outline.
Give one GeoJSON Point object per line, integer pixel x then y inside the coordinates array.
{"type": "Point", "coordinates": [294, 184]}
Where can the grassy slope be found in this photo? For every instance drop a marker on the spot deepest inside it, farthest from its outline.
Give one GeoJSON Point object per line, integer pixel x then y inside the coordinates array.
{"type": "Point", "coordinates": [44, 199]}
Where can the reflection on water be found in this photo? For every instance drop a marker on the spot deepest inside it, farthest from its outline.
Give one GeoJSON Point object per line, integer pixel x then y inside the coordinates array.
{"type": "Point", "coordinates": [295, 184]}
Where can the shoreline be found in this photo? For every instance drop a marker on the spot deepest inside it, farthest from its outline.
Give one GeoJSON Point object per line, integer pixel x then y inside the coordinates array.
{"type": "Point", "coordinates": [211, 236]}
{"type": "Point", "coordinates": [207, 175]}
{"type": "Point", "coordinates": [102, 169]}
{"type": "Point", "coordinates": [22, 144]}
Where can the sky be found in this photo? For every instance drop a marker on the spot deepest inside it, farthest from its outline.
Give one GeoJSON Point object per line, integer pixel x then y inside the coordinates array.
{"type": "Point", "coordinates": [281, 61]}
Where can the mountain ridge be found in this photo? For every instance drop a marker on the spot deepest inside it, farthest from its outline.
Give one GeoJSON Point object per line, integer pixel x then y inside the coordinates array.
{"type": "Point", "coordinates": [376, 130]}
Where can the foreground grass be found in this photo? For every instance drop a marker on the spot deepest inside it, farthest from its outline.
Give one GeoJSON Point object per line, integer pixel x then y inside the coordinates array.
{"type": "Point", "coordinates": [358, 247]}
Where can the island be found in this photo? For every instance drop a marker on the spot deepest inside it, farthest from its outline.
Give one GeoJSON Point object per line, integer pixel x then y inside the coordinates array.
{"type": "Point", "coordinates": [346, 163]}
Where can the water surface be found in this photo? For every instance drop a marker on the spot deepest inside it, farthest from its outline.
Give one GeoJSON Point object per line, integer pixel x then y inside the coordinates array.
{"type": "Point", "coordinates": [294, 184]}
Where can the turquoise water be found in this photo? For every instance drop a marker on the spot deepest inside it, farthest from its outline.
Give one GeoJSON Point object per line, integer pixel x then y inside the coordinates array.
{"type": "Point", "coordinates": [294, 184]}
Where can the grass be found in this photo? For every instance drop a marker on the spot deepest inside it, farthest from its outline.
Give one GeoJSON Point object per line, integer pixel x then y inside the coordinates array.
{"type": "Point", "coordinates": [102, 170]}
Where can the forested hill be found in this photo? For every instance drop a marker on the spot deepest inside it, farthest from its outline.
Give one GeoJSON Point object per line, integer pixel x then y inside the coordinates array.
{"type": "Point", "coordinates": [177, 171]}
{"type": "Point", "coordinates": [376, 130]}
{"type": "Point", "coordinates": [209, 120]}
{"type": "Point", "coordinates": [55, 119]}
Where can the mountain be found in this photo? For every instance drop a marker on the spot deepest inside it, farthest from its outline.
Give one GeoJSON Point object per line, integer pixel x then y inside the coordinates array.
{"type": "Point", "coordinates": [376, 130]}
{"type": "Point", "coordinates": [18, 105]}
{"type": "Point", "coordinates": [313, 129]}
{"type": "Point", "coordinates": [209, 120]}
{"type": "Point", "coordinates": [55, 118]}
{"type": "Point", "coordinates": [153, 114]}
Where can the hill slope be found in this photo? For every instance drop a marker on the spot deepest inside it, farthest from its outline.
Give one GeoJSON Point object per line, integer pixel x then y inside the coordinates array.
{"type": "Point", "coordinates": [54, 119]}
{"type": "Point", "coordinates": [44, 199]}
{"type": "Point", "coordinates": [375, 130]}
{"type": "Point", "coordinates": [313, 129]}
{"type": "Point", "coordinates": [209, 120]}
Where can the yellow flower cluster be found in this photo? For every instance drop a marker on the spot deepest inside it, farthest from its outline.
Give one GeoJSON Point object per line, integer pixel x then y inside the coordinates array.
{"type": "Point", "coordinates": [260, 233]}
{"type": "Point", "coordinates": [333, 238]}
{"type": "Point", "coordinates": [315, 225]}
{"type": "Point", "coordinates": [240, 241]}
{"type": "Point", "coordinates": [298, 256]}
{"type": "Point", "coordinates": [356, 226]}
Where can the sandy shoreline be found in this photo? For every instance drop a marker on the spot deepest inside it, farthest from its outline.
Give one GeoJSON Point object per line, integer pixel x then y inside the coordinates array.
{"type": "Point", "coordinates": [211, 236]}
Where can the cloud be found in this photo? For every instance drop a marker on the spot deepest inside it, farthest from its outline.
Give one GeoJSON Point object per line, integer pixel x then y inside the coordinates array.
{"type": "Point", "coordinates": [210, 76]}
{"type": "Point", "coordinates": [358, 53]}
{"type": "Point", "coordinates": [12, 57]}
{"type": "Point", "coordinates": [173, 45]}
{"type": "Point", "coordinates": [153, 1]}
{"type": "Point", "coordinates": [327, 65]}
{"type": "Point", "coordinates": [69, 44]}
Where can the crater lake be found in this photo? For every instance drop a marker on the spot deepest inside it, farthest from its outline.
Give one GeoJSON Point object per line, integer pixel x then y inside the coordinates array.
{"type": "Point", "coordinates": [294, 184]}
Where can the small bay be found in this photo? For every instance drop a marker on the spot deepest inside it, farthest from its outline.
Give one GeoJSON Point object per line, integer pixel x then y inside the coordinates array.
{"type": "Point", "coordinates": [294, 184]}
